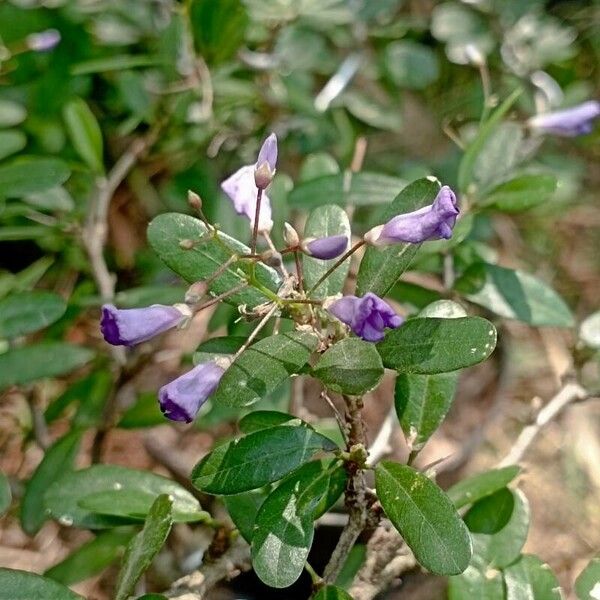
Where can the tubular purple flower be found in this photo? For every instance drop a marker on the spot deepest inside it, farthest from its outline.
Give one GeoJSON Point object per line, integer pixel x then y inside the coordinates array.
{"type": "Point", "coordinates": [128, 327]}
{"type": "Point", "coordinates": [242, 191]}
{"type": "Point", "coordinates": [264, 170]}
{"type": "Point", "coordinates": [367, 317]}
{"type": "Point", "coordinates": [327, 247]}
{"type": "Point", "coordinates": [43, 41]}
{"type": "Point", "coordinates": [181, 399]}
{"type": "Point", "coordinates": [570, 122]}
{"type": "Point", "coordinates": [431, 222]}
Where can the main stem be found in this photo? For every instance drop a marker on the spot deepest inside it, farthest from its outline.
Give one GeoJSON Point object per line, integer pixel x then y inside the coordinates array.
{"type": "Point", "coordinates": [256, 217]}
{"type": "Point", "coordinates": [336, 265]}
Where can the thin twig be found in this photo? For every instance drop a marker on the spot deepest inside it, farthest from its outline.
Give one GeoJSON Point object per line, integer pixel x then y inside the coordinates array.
{"type": "Point", "coordinates": [381, 444]}
{"type": "Point", "coordinates": [256, 217]}
{"type": "Point", "coordinates": [329, 271]}
{"type": "Point", "coordinates": [256, 331]}
{"type": "Point", "coordinates": [337, 414]}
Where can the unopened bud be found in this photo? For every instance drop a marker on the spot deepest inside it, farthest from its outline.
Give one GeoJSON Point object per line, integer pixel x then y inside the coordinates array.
{"type": "Point", "coordinates": [43, 41]}
{"type": "Point", "coordinates": [194, 200]}
{"type": "Point", "coordinates": [290, 235]}
{"type": "Point", "coordinates": [196, 292]}
{"type": "Point", "coordinates": [272, 258]}
{"type": "Point", "coordinates": [186, 244]}
{"type": "Point", "coordinates": [474, 55]}
{"type": "Point", "coordinates": [263, 175]}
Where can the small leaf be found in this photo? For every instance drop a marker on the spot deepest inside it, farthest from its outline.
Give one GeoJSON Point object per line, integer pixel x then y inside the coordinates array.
{"type": "Point", "coordinates": [529, 577]}
{"type": "Point", "coordinates": [263, 419]}
{"type": "Point", "coordinates": [521, 193]}
{"type": "Point", "coordinates": [588, 581]}
{"type": "Point", "coordinates": [22, 585]}
{"type": "Point", "coordinates": [257, 459]}
{"type": "Point", "coordinates": [5, 494]}
{"type": "Point", "coordinates": [25, 312]}
{"type": "Point", "coordinates": [145, 546]}
{"type": "Point", "coordinates": [425, 518]}
{"type": "Point", "coordinates": [243, 508]}
{"type": "Point", "coordinates": [514, 295]}
{"type": "Point", "coordinates": [11, 113]}
{"type": "Point", "coordinates": [422, 402]}
{"type": "Point", "coordinates": [284, 523]}
{"type": "Point", "coordinates": [47, 359]}
{"type": "Point", "coordinates": [332, 592]}
{"type": "Point", "coordinates": [346, 189]}
{"type": "Point", "coordinates": [63, 497]}
{"type": "Point", "coordinates": [85, 133]}
{"type": "Point", "coordinates": [444, 309]}
{"type": "Point", "coordinates": [58, 460]}
{"type": "Point", "coordinates": [411, 65]}
{"type": "Point", "coordinates": [325, 221]}
{"type": "Point", "coordinates": [508, 522]}
{"type": "Point", "coordinates": [26, 175]}
{"type": "Point", "coordinates": [263, 367]}
{"type": "Point", "coordinates": [11, 141]}
{"type": "Point", "coordinates": [352, 366]}
{"type": "Point", "coordinates": [219, 346]}
{"type": "Point", "coordinates": [476, 584]}
{"type": "Point", "coordinates": [56, 199]}
{"type": "Point", "coordinates": [92, 557]}
{"type": "Point", "coordinates": [479, 486]}
{"type": "Point", "coordinates": [428, 346]}
{"type": "Point", "coordinates": [167, 230]}
{"type": "Point", "coordinates": [380, 268]}
{"type": "Point", "coordinates": [144, 413]}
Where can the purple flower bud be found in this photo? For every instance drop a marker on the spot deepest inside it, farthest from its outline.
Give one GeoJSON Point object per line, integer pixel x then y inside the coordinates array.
{"type": "Point", "coordinates": [431, 222]}
{"type": "Point", "coordinates": [43, 41]}
{"type": "Point", "coordinates": [570, 122]}
{"type": "Point", "coordinates": [242, 191]}
{"type": "Point", "coordinates": [181, 399]}
{"type": "Point", "coordinates": [268, 153]}
{"type": "Point", "coordinates": [127, 327]}
{"type": "Point", "coordinates": [367, 316]}
{"type": "Point", "coordinates": [327, 247]}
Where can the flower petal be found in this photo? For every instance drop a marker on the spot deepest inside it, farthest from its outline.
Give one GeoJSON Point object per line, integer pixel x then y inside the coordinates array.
{"type": "Point", "coordinates": [328, 247]}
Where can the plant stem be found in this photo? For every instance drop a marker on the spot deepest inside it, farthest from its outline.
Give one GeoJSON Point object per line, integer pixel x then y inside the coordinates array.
{"type": "Point", "coordinates": [299, 272]}
{"type": "Point", "coordinates": [216, 299]}
{"type": "Point", "coordinates": [329, 271]}
{"type": "Point", "coordinates": [256, 217]}
{"type": "Point", "coordinates": [256, 331]}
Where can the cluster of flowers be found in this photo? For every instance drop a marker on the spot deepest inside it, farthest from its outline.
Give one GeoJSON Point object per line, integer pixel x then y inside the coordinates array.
{"type": "Point", "coordinates": [367, 316]}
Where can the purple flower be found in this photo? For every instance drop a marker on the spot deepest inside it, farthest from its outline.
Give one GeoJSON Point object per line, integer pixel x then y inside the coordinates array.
{"type": "Point", "coordinates": [431, 222]}
{"type": "Point", "coordinates": [367, 316]}
{"type": "Point", "coordinates": [127, 327]}
{"type": "Point", "coordinates": [242, 190]}
{"type": "Point", "coordinates": [570, 122]}
{"type": "Point", "coordinates": [266, 163]}
{"type": "Point", "coordinates": [43, 41]}
{"type": "Point", "coordinates": [327, 247]}
{"type": "Point", "coordinates": [181, 399]}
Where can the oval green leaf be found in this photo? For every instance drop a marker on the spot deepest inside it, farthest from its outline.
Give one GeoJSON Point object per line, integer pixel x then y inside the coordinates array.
{"type": "Point", "coordinates": [22, 585]}
{"type": "Point", "coordinates": [257, 459]}
{"type": "Point", "coordinates": [26, 312]}
{"type": "Point", "coordinates": [475, 584]}
{"type": "Point", "coordinates": [522, 192]}
{"type": "Point", "coordinates": [428, 346]}
{"type": "Point", "coordinates": [85, 133]}
{"type": "Point", "coordinates": [263, 419]}
{"type": "Point", "coordinates": [425, 518]}
{"type": "Point", "coordinates": [352, 366]}
{"type": "Point", "coordinates": [5, 494]}
{"type": "Point", "coordinates": [11, 141]}
{"type": "Point", "coordinates": [332, 592]}
{"type": "Point", "coordinates": [26, 175]}
{"type": "Point", "coordinates": [588, 581]}
{"type": "Point", "coordinates": [530, 577]}
{"type": "Point", "coordinates": [479, 486]}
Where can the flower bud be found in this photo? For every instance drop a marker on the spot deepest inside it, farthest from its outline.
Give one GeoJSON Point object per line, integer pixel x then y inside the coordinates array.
{"type": "Point", "coordinates": [194, 200]}
{"type": "Point", "coordinates": [272, 258]}
{"type": "Point", "coordinates": [43, 41]}
{"type": "Point", "coordinates": [290, 235]}
{"type": "Point", "coordinates": [263, 176]}
{"type": "Point", "coordinates": [325, 248]}
{"type": "Point", "coordinates": [196, 292]}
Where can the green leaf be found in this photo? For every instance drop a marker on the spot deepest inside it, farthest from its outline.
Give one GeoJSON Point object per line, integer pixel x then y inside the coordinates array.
{"type": "Point", "coordinates": [11, 141]}
{"type": "Point", "coordinates": [167, 230]}
{"type": "Point", "coordinates": [219, 346]}
{"type": "Point", "coordinates": [25, 312]}
{"type": "Point", "coordinates": [59, 459]}
{"type": "Point", "coordinates": [11, 113]}
{"type": "Point", "coordinates": [322, 222]}
{"type": "Point", "coordinates": [346, 189]}
{"type": "Point", "coordinates": [477, 584]}
{"type": "Point", "coordinates": [521, 193]}
{"type": "Point", "coordinates": [22, 585]}
{"type": "Point", "coordinates": [47, 359]}
{"type": "Point", "coordinates": [332, 592]}
{"type": "Point", "coordinates": [218, 27]}
{"type": "Point", "coordinates": [530, 577]}
{"type": "Point", "coordinates": [352, 366]}
{"type": "Point", "coordinates": [243, 508]}
{"type": "Point", "coordinates": [479, 486]}
{"type": "Point", "coordinates": [145, 546]}
{"type": "Point", "coordinates": [63, 497]}
{"type": "Point", "coordinates": [422, 402]}
{"type": "Point", "coordinates": [380, 268]}
{"type": "Point", "coordinates": [411, 65]}
{"type": "Point", "coordinates": [317, 165]}
{"type": "Point", "coordinates": [428, 346]}
{"type": "Point", "coordinates": [85, 133]}
{"type": "Point", "coordinates": [257, 459]}
{"type": "Point", "coordinates": [92, 557]}
{"type": "Point", "coordinates": [514, 295]}
{"type": "Point", "coordinates": [26, 175]}
{"type": "Point", "coordinates": [588, 580]}
{"type": "Point", "coordinates": [5, 494]}
{"type": "Point", "coordinates": [284, 525]}
{"type": "Point", "coordinates": [56, 199]}
{"type": "Point", "coordinates": [445, 309]}
{"type": "Point", "coordinates": [425, 518]}
{"type": "Point", "coordinates": [263, 419]}
{"type": "Point", "coordinates": [132, 504]}
{"type": "Point", "coordinates": [505, 514]}
{"type": "Point", "coordinates": [263, 367]}
{"type": "Point", "coordinates": [467, 164]}
{"type": "Point", "coordinates": [144, 413]}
